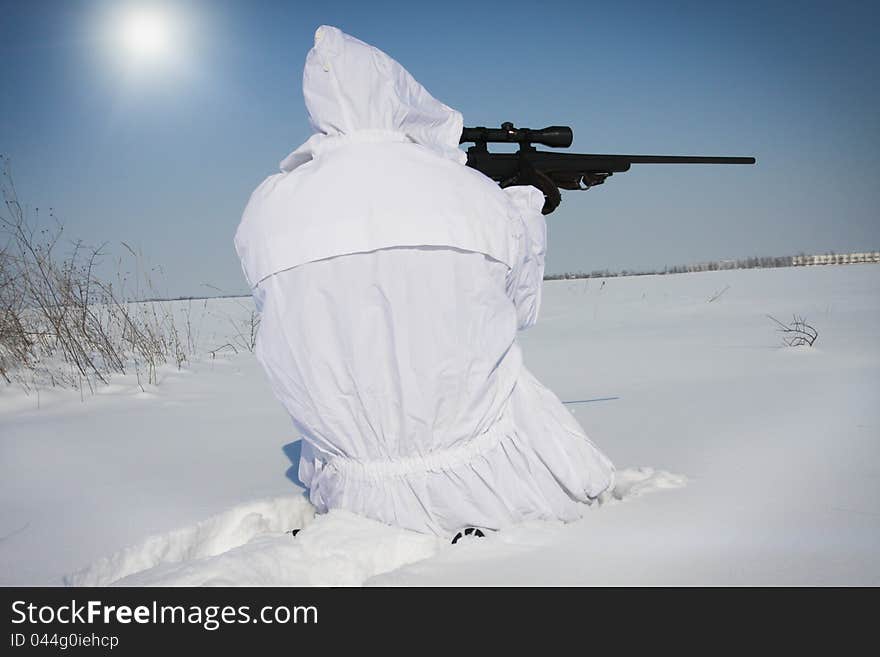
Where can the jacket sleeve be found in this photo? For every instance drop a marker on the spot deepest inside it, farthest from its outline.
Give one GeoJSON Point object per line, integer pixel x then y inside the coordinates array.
{"type": "Point", "coordinates": [530, 230]}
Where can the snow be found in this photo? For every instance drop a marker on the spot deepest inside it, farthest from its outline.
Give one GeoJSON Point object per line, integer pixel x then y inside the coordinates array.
{"type": "Point", "coordinates": [764, 460]}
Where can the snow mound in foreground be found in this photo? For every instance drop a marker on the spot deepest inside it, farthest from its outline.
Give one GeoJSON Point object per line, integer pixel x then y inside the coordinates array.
{"type": "Point", "coordinates": [208, 538]}
{"type": "Point", "coordinates": [250, 545]}
{"type": "Point", "coordinates": [633, 482]}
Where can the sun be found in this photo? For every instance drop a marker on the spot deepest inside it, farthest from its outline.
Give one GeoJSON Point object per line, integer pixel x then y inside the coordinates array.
{"type": "Point", "coordinates": [147, 35]}
{"type": "Point", "coordinates": [146, 45]}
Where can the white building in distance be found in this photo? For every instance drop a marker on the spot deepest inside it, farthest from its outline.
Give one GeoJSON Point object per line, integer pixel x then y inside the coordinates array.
{"type": "Point", "coordinates": [835, 258]}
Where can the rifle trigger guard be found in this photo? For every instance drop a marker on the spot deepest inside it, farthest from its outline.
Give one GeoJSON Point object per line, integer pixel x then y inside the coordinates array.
{"type": "Point", "coordinates": [529, 175]}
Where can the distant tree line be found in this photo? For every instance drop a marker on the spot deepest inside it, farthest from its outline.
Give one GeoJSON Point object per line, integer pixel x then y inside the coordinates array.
{"type": "Point", "coordinates": [754, 262]}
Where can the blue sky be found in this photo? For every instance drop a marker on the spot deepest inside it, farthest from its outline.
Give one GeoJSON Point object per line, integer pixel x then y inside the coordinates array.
{"type": "Point", "coordinates": [165, 156]}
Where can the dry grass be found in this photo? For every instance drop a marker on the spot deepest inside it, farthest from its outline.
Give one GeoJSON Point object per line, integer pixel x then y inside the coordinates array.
{"type": "Point", "coordinates": [60, 323]}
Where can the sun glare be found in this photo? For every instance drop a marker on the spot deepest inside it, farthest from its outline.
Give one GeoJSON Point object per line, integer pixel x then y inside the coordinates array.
{"type": "Point", "coordinates": [145, 45]}
{"type": "Point", "coordinates": [146, 36]}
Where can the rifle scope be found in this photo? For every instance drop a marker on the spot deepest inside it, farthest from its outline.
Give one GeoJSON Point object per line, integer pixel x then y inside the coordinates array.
{"type": "Point", "coordinates": [555, 136]}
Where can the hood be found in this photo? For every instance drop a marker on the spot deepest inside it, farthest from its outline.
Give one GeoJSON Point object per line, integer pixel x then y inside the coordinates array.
{"type": "Point", "coordinates": [350, 86]}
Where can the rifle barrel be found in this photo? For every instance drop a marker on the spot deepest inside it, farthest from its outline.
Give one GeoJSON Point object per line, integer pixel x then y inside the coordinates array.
{"type": "Point", "coordinates": [676, 159]}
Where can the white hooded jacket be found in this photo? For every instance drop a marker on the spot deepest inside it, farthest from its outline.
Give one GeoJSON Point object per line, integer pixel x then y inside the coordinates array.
{"type": "Point", "coordinates": [383, 170]}
{"type": "Point", "coordinates": [392, 280]}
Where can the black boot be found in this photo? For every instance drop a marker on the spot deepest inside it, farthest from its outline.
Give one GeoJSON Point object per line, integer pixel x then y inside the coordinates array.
{"type": "Point", "coordinates": [469, 531]}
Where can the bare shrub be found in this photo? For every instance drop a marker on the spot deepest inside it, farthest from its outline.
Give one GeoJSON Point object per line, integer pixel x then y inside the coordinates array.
{"type": "Point", "coordinates": [798, 333]}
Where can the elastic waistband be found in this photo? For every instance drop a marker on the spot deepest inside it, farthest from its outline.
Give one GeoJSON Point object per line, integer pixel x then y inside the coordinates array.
{"type": "Point", "coordinates": [437, 460]}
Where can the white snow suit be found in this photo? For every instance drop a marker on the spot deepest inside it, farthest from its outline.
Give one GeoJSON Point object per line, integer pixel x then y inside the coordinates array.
{"type": "Point", "coordinates": [392, 281]}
